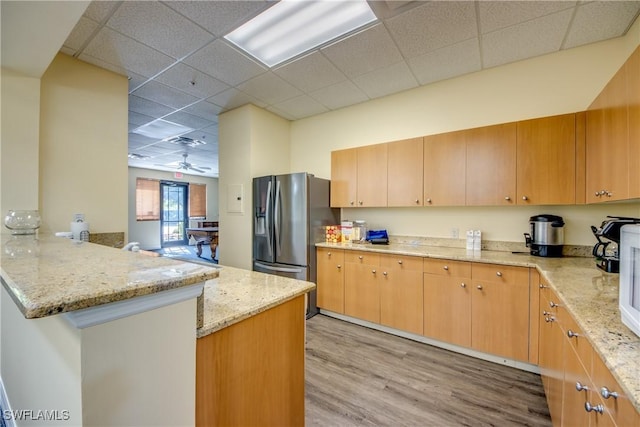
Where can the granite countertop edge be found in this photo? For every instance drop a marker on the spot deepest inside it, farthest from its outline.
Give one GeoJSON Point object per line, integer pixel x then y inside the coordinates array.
{"type": "Point", "coordinates": [593, 304]}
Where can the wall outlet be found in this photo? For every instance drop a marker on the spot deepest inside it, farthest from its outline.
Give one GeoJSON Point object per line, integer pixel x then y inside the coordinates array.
{"type": "Point", "coordinates": [455, 233]}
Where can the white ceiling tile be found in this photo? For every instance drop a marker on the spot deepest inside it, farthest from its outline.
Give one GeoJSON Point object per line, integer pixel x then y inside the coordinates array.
{"type": "Point", "coordinates": [157, 26]}
{"type": "Point", "coordinates": [433, 25]}
{"type": "Point", "coordinates": [181, 76]}
{"type": "Point", "coordinates": [81, 33]}
{"type": "Point", "coordinates": [601, 20]}
{"type": "Point", "coordinates": [116, 49]}
{"type": "Point", "coordinates": [300, 107]}
{"type": "Point", "coordinates": [363, 52]}
{"type": "Point", "coordinates": [233, 98]}
{"type": "Point", "coordinates": [225, 63]}
{"type": "Point", "coordinates": [339, 95]}
{"type": "Point", "coordinates": [495, 15]}
{"type": "Point", "coordinates": [141, 140]}
{"type": "Point", "coordinates": [311, 72]}
{"type": "Point", "coordinates": [188, 120]}
{"type": "Point", "coordinates": [281, 113]}
{"type": "Point", "coordinates": [386, 81]}
{"type": "Point", "coordinates": [102, 64]}
{"type": "Point", "coordinates": [100, 10]}
{"type": "Point", "coordinates": [448, 62]}
{"type": "Point", "coordinates": [213, 129]}
{"type": "Point", "coordinates": [139, 119]}
{"type": "Point", "coordinates": [219, 17]}
{"type": "Point", "coordinates": [204, 109]}
{"type": "Point", "coordinates": [269, 88]}
{"type": "Point", "coordinates": [135, 81]}
{"type": "Point", "coordinates": [165, 95]}
{"type": "Point", "coordinates": [526, 40]}
{"type": "Point", "coordinates": [146, 107]}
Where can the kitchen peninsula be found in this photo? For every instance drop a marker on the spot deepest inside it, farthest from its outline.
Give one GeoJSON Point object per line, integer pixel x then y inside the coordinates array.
{"type": "Point", "coordinates": [95, 335]}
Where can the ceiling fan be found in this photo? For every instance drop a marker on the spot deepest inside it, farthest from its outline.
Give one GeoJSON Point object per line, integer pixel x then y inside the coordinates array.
{"type": "Point", "coordinates": [186, 166]}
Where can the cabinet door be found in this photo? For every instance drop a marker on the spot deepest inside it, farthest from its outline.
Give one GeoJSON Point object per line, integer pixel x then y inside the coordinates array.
{"type": "Point", "coordinates": [616, 401]}
{"type": "Point", "coordinates": [401, 293]}
{"type": "Point", "coordinates": [633, 105]}
{"type": "Point", "coordinates": [550, 359]}
{"type": "Point", "coordinates": [491, 165]}
{"type": "Point", "coordinates": [444, 169]}
{"type": "Point", "coordinates": [361, 286]}
{"type": "Point", "coordinates": [404, 173]}
{"type": "Point", "coordinates": [576, 390]}
{"type": "Point", "coordinates": [447, 309]}
{"type": "Point", "coordinates": [330, 279]}
{"type": "Point", "coordinates": [344, 178]}
{"type": "Point", "coordinates": [500, 310]}
{"type": "Point", "coordinates": [607, 143]}
{"type": "Point", "coordinates": [546, 167]}
{"type": "Point", "coordinates": [372, 176]}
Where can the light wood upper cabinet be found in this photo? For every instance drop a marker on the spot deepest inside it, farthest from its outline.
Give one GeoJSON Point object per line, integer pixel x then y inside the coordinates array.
{"type": "Point", "coordinates": [445, 169]}
{"type": "Point", "coordinates": [330, 279]}
{"type": "Point", "coordinates": [404, 173]}
{"type": "Point", "coordinates": [372, 175]}
{"type": "Point", "coordinates": [491, 165]}
{"type": "Point", "coordinates": [607, 143]}
{"type": "Point", "coordinates": [546, 161]}
{"type": "Point", "coordinates": [344, 178]}
{"type": "Point", "coordinates": [633, 105]}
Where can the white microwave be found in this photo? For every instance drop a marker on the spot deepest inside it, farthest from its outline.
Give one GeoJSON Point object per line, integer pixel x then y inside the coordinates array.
{"type": "Point", "coordinates": [630, 276]}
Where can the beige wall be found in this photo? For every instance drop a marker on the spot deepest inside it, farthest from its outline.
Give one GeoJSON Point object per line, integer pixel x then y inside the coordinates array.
{"type": "Point", "coordinates": [147, 233]}
{"type": "Point", "coordinates": [83, 146]}
{"type": "Point", "coordinates": [558, 83]}
{"type": "Point", "coordinates": [253, 142]}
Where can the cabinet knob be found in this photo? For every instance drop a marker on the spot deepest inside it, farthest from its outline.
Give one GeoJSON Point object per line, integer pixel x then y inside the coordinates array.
{"type": "Point", "coordinates": [373, 271]}
{"type": "Point", "coordinates": [546, 313]}
{"type": "Point", "coordinates": [606, 393]}
{"type": "Point", "coordinates": [399, 261]}
{"type": "Point", "coordinates": [597, 408]}
{"type": "Point", "coordinates": [446, 267]}
{"type": "Point", "coordinates": [525, 198]}
{"type": "Point", "coordinates": [359, 256]}
{"type": "Point", "coordinates": [609, 194]}
{"type": "Point", "coordinates": [549, 319]}
{"type": "Point", "coordinates": [463, 285]}
{"type": "Point", "coordinates": [498, 273]}
{"type": "Point", "coordinates": [552, 304]}
{"type": "Point", "coordinates": [428, 200]}
{"type": "Point", "coordinates": [581, 387]}
{"type": "Point", "coordinates": [360, 202]}
{"type": "Point", "coordinates": [328, 253]}
{"type": "Point", "coordinates": [339, 266]}
{"type": "Point", "coordinates": [351, 203]}
{"type": "Point", "coordinates": [384, 273]}
{"type": "Point", "coordinates": [417, 201]}
{"type": "Point", "coordinates": [597, 194]}
{"type": "Point", "coordinates": [479, 287]}
{"type": "Point", "coordinates": [507, 198]}
{"type": "Point", "coordinates": [541, 286]}
{"type": "Point", "coordinates": [572, 334]}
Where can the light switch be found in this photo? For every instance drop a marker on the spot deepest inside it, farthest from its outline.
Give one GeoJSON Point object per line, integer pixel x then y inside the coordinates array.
{"type": "Point", "coordinates": [235, 198]}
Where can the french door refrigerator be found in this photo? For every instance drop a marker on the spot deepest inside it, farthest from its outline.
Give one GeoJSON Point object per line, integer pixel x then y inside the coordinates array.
{"type": "Point", "coordinates": [289, 214]}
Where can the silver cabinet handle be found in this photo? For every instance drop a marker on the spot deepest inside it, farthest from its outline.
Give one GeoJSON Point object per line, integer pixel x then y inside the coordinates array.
{"type": "Point", "coordinates": [384, 273]}
{"type": "Point", "coordinates": [581, 387]}
{"type": "Point", "coordinates": [541, 286]}
{"type": "Point", "coordinates": [572, 334]}
{"type": "Point", "coordinates": [479, 287]}
{"type": "Point", "coordinates": [373, 271]}
{"type": "Point", "coordinates": [351, 203]}
{"type": "Point", "coordinates": [399, 261]}
{"type": "Point", "coordinates": [507, 198]}
{"type": "Point", "coordinates": [499, 274]}
{"type": "Point", "coordinates": [609, 194]}
{"type": "Point", "coordinates": [597, 194]}
{"type": "Point", "coordinates": [339, 266]}
{"type": "Point", "coordinates": [525, 198]}
{"type": "Point", "coordinates": [606, 393]}
{"type": "Point", "coordinates": [360, 202]}
{"type": "Point", "coordinates": [549, 319]}
{"type": "Point", "coordinates": [417, 201]}
{"type": "Point", "coordinates": [463, 285]}
{"type": "Point", "coordinates": [359, 256]}
{"type": "Point", "coordinates": [590, 408]}
{"type": "Point", "coordinates": [429, 200]}
{"type": "Point", "coordinates": [329, 254]}
{"type": "Point", "coordinates": [553, 304]}
{"type": "Point", "coordinates": [546, 313]}
{"type": "Point", "coordinates": [446, 267]}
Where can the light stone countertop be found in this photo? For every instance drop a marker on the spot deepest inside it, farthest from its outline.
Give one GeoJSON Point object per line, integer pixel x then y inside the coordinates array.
{"type": "Point", "coordinates": [589, 294]}
{"type": "Point", "coordinates": [51, 275]}
{"type": "Point", "coordinates": [239, 294]}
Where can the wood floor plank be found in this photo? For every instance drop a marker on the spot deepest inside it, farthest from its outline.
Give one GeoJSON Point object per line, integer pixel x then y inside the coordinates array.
{"type": "Point", "coordinates": [356, 376]}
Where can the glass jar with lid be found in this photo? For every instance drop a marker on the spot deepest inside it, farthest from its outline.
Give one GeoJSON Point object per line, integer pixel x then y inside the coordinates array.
{"type": "Point", "coordinates": [359, 233]}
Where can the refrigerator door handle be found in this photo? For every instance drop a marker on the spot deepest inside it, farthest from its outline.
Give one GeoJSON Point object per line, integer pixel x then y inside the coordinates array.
{"type": "Point", "coordinates": [281, 269]}
{"type": "Point", "coordinates": [276, 220]}
{"type": "Point", "coordinates": [268, 218]}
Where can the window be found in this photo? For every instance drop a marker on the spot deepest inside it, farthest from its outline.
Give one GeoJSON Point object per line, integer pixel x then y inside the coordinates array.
{"type": "Point", "coordinates": [197, 200]}
{"type": "Point", "coordinates": [147, 199]}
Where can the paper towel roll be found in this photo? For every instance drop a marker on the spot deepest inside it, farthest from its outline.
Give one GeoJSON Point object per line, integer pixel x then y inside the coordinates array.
{"type": "Point", "coordinates": [77, 228]}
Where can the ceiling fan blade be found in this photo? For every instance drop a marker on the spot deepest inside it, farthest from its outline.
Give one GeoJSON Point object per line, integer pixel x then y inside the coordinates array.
{"type": "Point", "coordinates": [196, 169]}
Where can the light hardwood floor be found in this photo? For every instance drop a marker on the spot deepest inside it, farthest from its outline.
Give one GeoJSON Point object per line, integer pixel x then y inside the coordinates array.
{"type": "Point", "coordinates": [359, 376]}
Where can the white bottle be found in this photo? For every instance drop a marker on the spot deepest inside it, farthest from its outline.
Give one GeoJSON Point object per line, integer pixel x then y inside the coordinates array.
{"type": "Point", "coordinates": [470, 239]}
{"type": "Point", "coordinates": [477, 240]}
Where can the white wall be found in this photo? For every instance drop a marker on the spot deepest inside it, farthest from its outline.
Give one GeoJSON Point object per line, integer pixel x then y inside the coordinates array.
{"type": "Point", "coordinates": [83, 146]}
{"type": "Point", "coordinates": [253, 142]}
{"type": "Point", "coordinates": [558, 83]}
{"type": "Point", "coordinates": [147, 233]}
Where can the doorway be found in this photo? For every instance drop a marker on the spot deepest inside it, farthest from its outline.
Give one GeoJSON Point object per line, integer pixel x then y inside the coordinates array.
{"type": "Point", "coordinates": [173, 213]}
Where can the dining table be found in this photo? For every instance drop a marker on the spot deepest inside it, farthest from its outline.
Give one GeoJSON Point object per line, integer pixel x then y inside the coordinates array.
{"type": "Point", "coordinates": [204, 235]}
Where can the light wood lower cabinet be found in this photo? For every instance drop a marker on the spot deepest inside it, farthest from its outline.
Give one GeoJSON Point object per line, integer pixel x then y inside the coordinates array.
{"type": "Point", "coordinates": [551, 355]}
{"type": "Point", "coordinates": [447, 301]}
{"type": "Point", "coordinates": [401, 293]}
{"type": "Point", "coordinates": [362, 285]}
{"type": "Point", "coordinates": [330, 279]}
{"type": "Point", "coordinates": [252, 373]}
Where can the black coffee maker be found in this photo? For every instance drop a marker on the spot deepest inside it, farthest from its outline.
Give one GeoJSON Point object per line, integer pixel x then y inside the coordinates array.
{"type": "Point", "coordinates": [608, 235]}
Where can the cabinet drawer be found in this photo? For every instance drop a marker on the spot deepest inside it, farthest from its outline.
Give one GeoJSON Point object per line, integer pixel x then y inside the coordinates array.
{"type": "Point", "coordinates": [445, 267]}
{"type": "Point", "coordinates": [403, 262]}
{"type": "Point", "coordinates": [499, 273]}
{"type": "Point", "coordinates": [575, 336]}
{"type": "Point", "coordinates": [361, 257]}
{"type": "Point", "coordinates": [328, 254]}
{"type": "Point", "coordinates": [620, 408]}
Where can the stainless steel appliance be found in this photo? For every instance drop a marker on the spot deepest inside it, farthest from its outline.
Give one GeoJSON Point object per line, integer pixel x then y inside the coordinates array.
{"type": "Point", "coordinates": [629, 300]}
{"type": "Point", "coordinates": [289, 213]}
{"type": "Point", "coordinates": [546, 238]}
{"type": "Point", "coordinates": [608, 236]}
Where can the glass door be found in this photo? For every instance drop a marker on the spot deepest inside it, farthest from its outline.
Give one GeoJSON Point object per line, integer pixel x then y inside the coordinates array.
{"type": "Point", "coordinates": [173, 213]}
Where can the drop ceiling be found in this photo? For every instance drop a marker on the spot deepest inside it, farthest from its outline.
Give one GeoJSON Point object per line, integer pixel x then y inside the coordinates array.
{"type": "Point", "coordinates": [181, 69]}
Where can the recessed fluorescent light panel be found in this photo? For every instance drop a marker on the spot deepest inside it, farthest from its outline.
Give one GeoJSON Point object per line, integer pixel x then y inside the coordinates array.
{"type": "Point", "coordinates": [293, 27]}
{"type": "Point", "coordinates": [161, 129]}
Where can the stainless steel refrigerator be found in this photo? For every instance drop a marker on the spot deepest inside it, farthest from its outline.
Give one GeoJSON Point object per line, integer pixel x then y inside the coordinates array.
{"type": "Point", "coordinates": [289, 214]}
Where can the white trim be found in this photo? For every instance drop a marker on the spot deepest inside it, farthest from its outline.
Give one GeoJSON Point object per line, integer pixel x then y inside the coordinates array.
{"type": "Point", "coordinates": [5, 406]}
{"type": "Point", "coordinates": [108, 312]}
{"type": "Point", "coordinates": [441, 344]}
